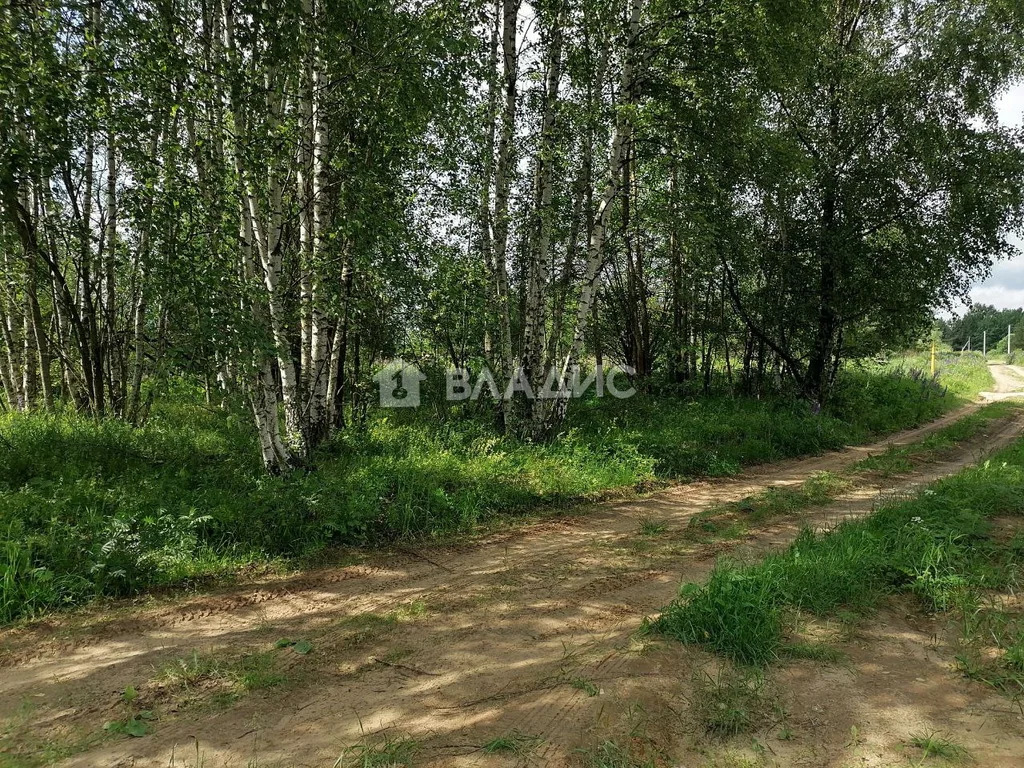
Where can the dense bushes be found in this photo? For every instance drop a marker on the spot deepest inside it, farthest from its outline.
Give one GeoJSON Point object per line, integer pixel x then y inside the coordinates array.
{"type": "Point", "coordinates": [99, 508]}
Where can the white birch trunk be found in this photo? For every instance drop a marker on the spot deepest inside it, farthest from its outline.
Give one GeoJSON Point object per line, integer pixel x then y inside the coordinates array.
{"type": "Point", "coordinates": [502, 188]}
{"type": "Point", "coordinates": [535, 322]}
{"type": "Point", "coordinates": [320, 357]}
{"type": "Point", "coordinates": [621, 136]}
{"type": "Point", "coordinates": [109, 278]}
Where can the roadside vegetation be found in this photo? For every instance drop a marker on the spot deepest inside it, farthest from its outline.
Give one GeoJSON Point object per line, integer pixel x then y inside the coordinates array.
{"type": "Point", "coordinates": [941, 546]}
{"type": "Point", "coordinates": [819, 489]}
{"type": "Point", "coordinates": [99, 508]}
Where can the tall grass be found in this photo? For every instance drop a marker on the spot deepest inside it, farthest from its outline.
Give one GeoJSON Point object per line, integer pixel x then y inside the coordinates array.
{"type": "Point", "coordinates": [92, 508]}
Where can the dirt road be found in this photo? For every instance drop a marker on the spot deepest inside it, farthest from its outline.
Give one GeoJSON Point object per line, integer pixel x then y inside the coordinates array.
{"type": "Point", "coordinates": [528, 630]}
{"type": "Point", "coordinates": [1009, 382]}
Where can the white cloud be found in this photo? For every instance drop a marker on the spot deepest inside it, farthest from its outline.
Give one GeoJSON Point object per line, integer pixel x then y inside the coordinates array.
{"type": "Point", "coordinates": [1004, 288]}
{"type": "Point", "coordinates": [999, 296]}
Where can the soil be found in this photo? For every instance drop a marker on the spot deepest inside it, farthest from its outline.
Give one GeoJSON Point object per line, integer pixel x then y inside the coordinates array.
{"type": "Point", "coordinates": [1009, 381]}
{"type": "Point", "coordinates": [531, 630]}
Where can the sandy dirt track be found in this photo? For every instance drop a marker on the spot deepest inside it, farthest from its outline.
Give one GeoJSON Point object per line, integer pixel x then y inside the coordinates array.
{"type": "Point", "coordinates": [1009, 381]}
{"type": "Point", "coordinates": [455, 645]}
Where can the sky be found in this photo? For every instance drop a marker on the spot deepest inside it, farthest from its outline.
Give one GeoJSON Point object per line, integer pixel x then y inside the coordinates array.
{"type": "Point", "coordinates": [1005, 287]}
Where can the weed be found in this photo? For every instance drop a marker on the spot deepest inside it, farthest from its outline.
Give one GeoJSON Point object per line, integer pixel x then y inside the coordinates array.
{"type": "Point", "coordinates": [369, 627]}
{"type": "Point", "coordinates": [651, 527]}
{"type": "Point", "coordinates": [934, 745]}
{"type": "Point", "coordinates": [898, 460]}
{"type": "Point", "coordinates": [1005, 678]}
{"type": "Point", "coordinates": [1013, 658]}
{"type": "Point", "coordinates": [732, 702]}
{"type": "Point", "coordinates": [251, 672]}
{"type": "Point", "coordinates": [735, 613]}
{"type": "Point", "coordinates": [612, 754]}
{"type": "Point", "coordinates": [514, 743]}
{"type": "Point", "coordinates": [391, 751]}
{"type": "Point", "coordinates": [137, 725]}
{"type": "Point", "coordinates": [818, 489]}
{"type": "Point", "coordinates": [933, 545]}
{"type": "Point", "coordinates": [585, 685]}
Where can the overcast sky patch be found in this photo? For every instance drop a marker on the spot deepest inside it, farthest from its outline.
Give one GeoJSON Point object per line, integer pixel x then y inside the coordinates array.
{"type": "Point", "coordinates": [1004, 288]}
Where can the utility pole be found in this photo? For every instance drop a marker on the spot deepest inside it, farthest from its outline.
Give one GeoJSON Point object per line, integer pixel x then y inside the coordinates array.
{"type": "Point", "coordinates": [984, 343]}
{"type": "Point", "coordinates": [1009, 335]}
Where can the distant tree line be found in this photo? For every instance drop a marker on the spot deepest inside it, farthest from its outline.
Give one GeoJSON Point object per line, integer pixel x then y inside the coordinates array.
{"type": "Point", "coordinates": [981, 322]}
{"type": "Point", "coordinates": [275, 196]}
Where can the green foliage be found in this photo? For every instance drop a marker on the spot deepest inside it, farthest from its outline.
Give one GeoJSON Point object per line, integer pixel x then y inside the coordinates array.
{"type": "Point", "coordinates": [612, 754]}
{"type": "Point", "coordinates": [135, 726]}
{"type": "Point", "coordinates": [936, 745]}
{"type": "Point", "coordinates": [101, 508]}
{"type": "Point", "coordinates": [900, 459]}
{"type": "Point", "coordinates": [934, 546]}
{"type": "Point", "coordinates": [389, 753]}
{"type": "Point", "coordinates": [818, 489]}
{"type": "Point", "coordinates": [736, 613]}
{"type": "Point", "coordinates": [583, 684]}
{"type": "Point", "coordinates": [250, 672]}
{"type": "Point", "coordinates": [514, 743]}
{"type": "Point", "coordinates": [960, 374]}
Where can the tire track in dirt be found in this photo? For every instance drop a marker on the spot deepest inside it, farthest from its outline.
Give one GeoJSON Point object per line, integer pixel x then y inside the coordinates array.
{"type": "Point", "coordinates": [392, 568]}
{"type": "Point", "coordinates": [551, 718]}
{"type": "Point", "coordinates": [507, 618]}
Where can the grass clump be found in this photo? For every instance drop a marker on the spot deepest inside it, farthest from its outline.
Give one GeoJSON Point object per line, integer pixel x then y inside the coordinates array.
{"type": "Point", "coordinates": [584, 684]}
{"type": "Point", "coordinates": [512, 743]}
{"type": "Point", "coordinates": [736, 613]}
{"type": "Point", "coordinates": [935, 745]}
{"type": "Point", "coordinates": [819, 489]}
{"type": "Point", "coordinates": [391, 751]}
{"type": "Point", "coordinates": [902, 459]}
{"type": "Point", "coordinates": [613, 754]}
{"type": "Point", "coordinates": [651, 527]}
{"type": "Point", "coordinates": [734, 701]}
{"type": "Point", "coordinates": [934, 545]}
{"type": "Point", "coordinates": [251, 672]}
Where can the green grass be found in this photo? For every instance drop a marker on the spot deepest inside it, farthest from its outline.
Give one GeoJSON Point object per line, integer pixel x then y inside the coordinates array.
{"type": "Point", "coordinates": [98, 508]}
{"type": "Point", "coordinates": [934, 546]}
{"type": "Point", "coordinates": [823, 487]}
{"type": "Point", "coordinates": [962, 374]}
{"type": "Point", "coordinates": [901, 459]}
{"type": "Point", "coordinates": [651, 527]}
{"type": "Point", "coordinates": [513, 743]}
{"type": "Point", "coordinates": [612, 754]}
{"type": "Point", "coordinates": [734, 701]}
{"type": "Point", "coordinates": [935, 745]}
{"type": "Point", "coordinates": [583, 684]}
{"type": "Point", "coordinates": [820, 488]}
{"type": "Point", "coordinates": [812, 652]}
{"type": "Point", "coordinates": [251, 672]}
{"type": "Point", "coordinates": [390, 752]}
